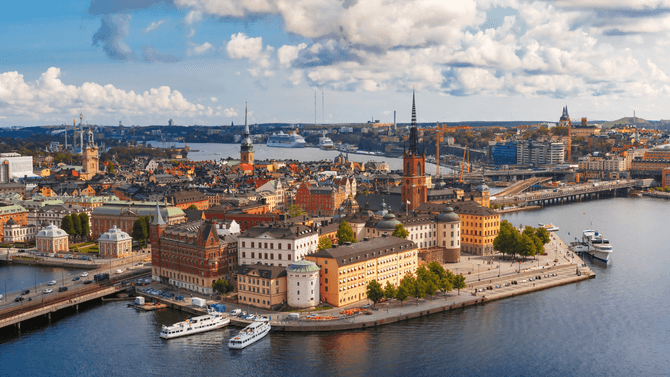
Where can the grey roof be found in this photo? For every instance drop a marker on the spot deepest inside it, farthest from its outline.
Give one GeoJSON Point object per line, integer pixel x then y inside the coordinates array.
{"type": "Point", "coordinates": [114, 234]}
{"type": "Point", "coordinates": [279, 231]}
{"type": "Point", "coordinates": [360, 251]}
{"type": "Point", "coordinates": [302, 266]}
{"type": "Point", "coordinates": [389, 222]}
{"type": "Point", "coordinates": [265, 272]}
{"type": "Point", "coordinates": [448, 216]}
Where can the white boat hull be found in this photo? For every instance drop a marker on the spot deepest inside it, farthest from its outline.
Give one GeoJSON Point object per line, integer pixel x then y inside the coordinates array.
{"type": "Point", "coordinates": [250, 340]}
{"type": "Point", "coordinates": [281, 145]}
{"type": "Point", "coordinates": [196, 329]}
{"type": "Point", "coordinates": [603, 256]}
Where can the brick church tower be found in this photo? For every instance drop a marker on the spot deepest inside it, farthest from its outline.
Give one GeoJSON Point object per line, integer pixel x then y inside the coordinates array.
{"type": "Point", "coordinates": [156, 229]}
{"type": "Point", "coordinates": [414, 184]}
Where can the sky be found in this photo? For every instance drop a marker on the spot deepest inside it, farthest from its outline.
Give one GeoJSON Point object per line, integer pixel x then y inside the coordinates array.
{"type": "Point", "coordinates": [144, 62]}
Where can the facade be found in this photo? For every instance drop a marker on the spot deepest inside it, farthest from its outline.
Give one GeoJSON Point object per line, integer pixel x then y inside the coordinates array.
{"type": "Point", "coordinates": [277, 244]}
{"type": "Point", "coordinates": [302, 278]}
{"type": "Point", "coordinates": [414, 184]}
{"type": "Point", "coordinates": [90, 158]}
{"type": "Point", "coordinates": [479, 227]}
{"type": "Point", "coordinates": [186, 198]}
{"type": "Point", "coordinates": [15, 232]}
{"type": "Point", "coordinates": [503, 153]}
{"type": "Point", "coordinates": [51, 239]}
{"type": "Point", "coordinates": [346, 270]}
{"type": "Point", "coordinates": [261, 286]}
{"type": "Point", "coordinates": [14, 166]}
{"type": "Point", "coordinates": [115, 243]}
{"type": "Point", "coordinates": [12, 212]}
{"type": "Point", "coordinates": [190, 256]}
{"type": "Point", "coordinates": [54, 214]}
{"type": "Point", "coordinates": [539, 152]}
{"type": "Point", "coordinates": [274, 194]}
{"type": "Point", "coordinates": [18, 188]}
{"type": "Point", "coordinates": [320, 200]}
{"type": "Point", "coordinates": [124, 213]}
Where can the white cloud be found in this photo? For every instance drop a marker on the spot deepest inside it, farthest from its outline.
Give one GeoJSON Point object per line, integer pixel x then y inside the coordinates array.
{"type": "Point", "coordinates": [214, 99]}
{"type": "Point", "coordinates": [240, 46]}
{"type": "Point", "coordinates": [49, 97]}
{"type": "Point", "coordinates": [230, 112]}
{"type": "Point", "coordinates": [196, 49]}
{"type": "Point", "coordinates": [154, 26]}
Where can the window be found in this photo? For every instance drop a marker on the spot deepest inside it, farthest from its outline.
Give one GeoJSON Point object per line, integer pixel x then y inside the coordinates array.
{"type": "Point", "coordinates": [272, 256]}
{"type": "Point", "coordinates": [298, 292]}
{"type": "Point", "coordinates": [252, 245]}
{"type": "Point", "coordinates": [326, 280]}
{"type": "Point", "coordinates": [298, 284]}
{"type": "Point", "coordinates": [279, 246]}
{"type": "Point", "coordinates": [252, 254]}
{"type": "Point", "coordinates": [242, 243]}
{"type": "Point", "coordinates": [326, 270]}
{"type": "Point", "coordinates": [326, 289]}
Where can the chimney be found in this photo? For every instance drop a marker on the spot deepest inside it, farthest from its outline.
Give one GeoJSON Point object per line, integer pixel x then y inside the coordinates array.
{"type": "Point", "coordinates": [366, 239]}
{"type": "Point", "coordinates": [347, 243]}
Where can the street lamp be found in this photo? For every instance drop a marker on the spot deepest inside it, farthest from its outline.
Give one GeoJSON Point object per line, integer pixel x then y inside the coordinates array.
{"type": "Point", "coordinates": [478, 278]}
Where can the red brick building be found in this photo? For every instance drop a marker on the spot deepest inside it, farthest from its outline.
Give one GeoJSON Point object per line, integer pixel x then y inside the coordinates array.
{"type": "Point", "coordinates": [320, 200]}
{"type": "Point", "coordinates": [414, 182]}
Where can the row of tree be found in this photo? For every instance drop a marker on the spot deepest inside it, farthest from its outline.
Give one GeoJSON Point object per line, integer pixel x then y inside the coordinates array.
{"type": "Point", "coordinates": [427, 281]}
{"type": "Point", "coordinates": [76, 225]}
{"type": "Point", "coordinates": [346, 234]}
{"type": "Point", "coordinates": [141, 230]}
{"type": "Point", "coordinates": [527, 244]}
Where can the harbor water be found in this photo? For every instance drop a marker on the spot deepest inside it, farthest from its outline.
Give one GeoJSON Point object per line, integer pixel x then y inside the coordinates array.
{"type": "Point", "coordinates": [614, 325]}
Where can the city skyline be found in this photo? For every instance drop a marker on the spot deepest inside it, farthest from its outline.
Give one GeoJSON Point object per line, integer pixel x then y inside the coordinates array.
{"type": "Point", "coordinates": [198, 61]}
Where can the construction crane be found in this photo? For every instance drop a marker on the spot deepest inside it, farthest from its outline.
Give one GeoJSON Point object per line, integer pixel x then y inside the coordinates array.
{"type": "Point", "coordinates": [460, 179]}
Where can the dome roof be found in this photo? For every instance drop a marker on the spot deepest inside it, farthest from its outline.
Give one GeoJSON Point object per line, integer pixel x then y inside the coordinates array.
{"type": "Point", "coordinates": [51, 231]}
{"type": "Point", "coordinates": [350, 203]}
{"type": "Point", "coordinates": [114, 234]}
{"type": "Point", "coordinates": [302, 266]}
{"type": "Point", "coordinates": [482, 187]}
{"type": "Point", "coordinates": [448, 216]}
{"type": "Point", "coordinates": [388, 222]}
{"type": "Point", "coordinates": [11, 222]}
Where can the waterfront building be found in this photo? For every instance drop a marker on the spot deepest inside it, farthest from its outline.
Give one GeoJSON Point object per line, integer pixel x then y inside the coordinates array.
{"type": "Point", "coordinates": [12, 212]}
{"type": "Point", "coordinates": [277, 244]}
{"type": "Point", "coordinates": [115, 243]}
{"type": "Point", "coordinates": [51, 239]}
{"type": "Point", "coordinates": [14, 166]}
{"type": "Point", "coordinates": [414, 184]}
{"type": "Point", "coordinates": [479, 227]}
{"type": "Point", "coordinates": [503, 153]}
{"type": "Point", "coordinates": [261, 286]}
{"type": "Point", "coordinates": [607, 167]}
{"type": "Point", "coordinates": [302, 278]}
{"type": "Point", "coordinates": [539, 152]}
{"type": "Point", "coordinates": [15, 232]}
{"type": "Point", "coordinates": [247, 147]}
{"type": "Point", "coordinates": [347, 269]}
{"type": "Point", "coordinates": [190, 256]}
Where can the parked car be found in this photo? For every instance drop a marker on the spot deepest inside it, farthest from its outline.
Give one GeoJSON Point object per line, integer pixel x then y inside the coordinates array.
{"type": "Point", "coordinates": [62, 289]}
{"type": "Point", "coordinates": [25, 292]}
{"type": "Point", "coordinates": [53, 282]}
{"type": "Point", "coordinates": [47, 291]}
{"type": "Point", "coordinates": [75, 278]}
{"type": "Point", "coordinates": [242, 314]}
{"type": "Point", "coordinates": [20, 298]}
{"type": "Point", "coordinates": [367, 306]}
{"type": "Point", "coordinates": [84, 274]}
{"type": "Point", "coordinates": [235, 312]}
{"type": "Point", "coordinates": [88, 281]}
{"type": "Point", "coordinates": [118, 271]}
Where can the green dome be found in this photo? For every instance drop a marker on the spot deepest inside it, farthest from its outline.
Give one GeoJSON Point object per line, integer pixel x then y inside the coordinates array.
{"type": "Point", "coordinates": [302, 266]}
{"type": "Point", "coordinates": [448, 216]}
{"type": "Point", "coordinates": [388, 222]}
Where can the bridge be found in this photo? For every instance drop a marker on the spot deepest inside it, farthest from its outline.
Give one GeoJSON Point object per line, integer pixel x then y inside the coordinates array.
{"type": "Point", "coordinates": [588, 191]}
{"type": "Point", "coordinates": [522, 174]}
{"type": "Point", "coordinates": [522, 186]}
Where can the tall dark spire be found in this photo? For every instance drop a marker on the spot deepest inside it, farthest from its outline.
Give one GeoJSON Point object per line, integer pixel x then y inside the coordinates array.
{"type": "Point", "coordinates": [247, 145]}
{"type": "Point", "coordinates": [413, 133]}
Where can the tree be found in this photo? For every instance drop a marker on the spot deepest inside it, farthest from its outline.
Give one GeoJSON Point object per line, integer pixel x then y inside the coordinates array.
{"type": "Point", "coordinates": [67, 225]}
{"type": "Point", "coordinates": [76, 222]}
{"type": "Point", "coordinates": [508, 240]}
{"type": "Point", "coordinates": [531, 233]}
{"type": "Point", "coordinates": [345, 233]}
{"type": "Point", "coordinates": [459, 283]}
{"type": "Point", "coordinates": [401, 294]}
{"type": "Point", "coordinates": [295, 211]}
{"type": "Point", "coordinates": [147, 224]}
{"type": "Point", "coordinates": [85, 227]}
{"type": "Point", "coordinates": [222, 286]}
{"type": "Point", "coordinates": [400, 231]}
{"type": "Point", "coordinates": [325, 243]}
{"type": "Point", "coordinates": [110, 168]}
{"type": "Point", "coordinates": [446, 284]}
{"type": "Point", "coordinates": [140, 231]}
{"type": "Point", "coordinates": [389, 291]}
{"type": "Point", "coordinates": [543, 234]}
{"type": "Point", "coordinates": [192, 206]}
{"type": "Point", "coordinates": [375, 291]}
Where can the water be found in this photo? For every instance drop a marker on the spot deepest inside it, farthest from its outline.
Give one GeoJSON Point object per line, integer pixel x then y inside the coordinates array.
{"type": "Point", "coordinates": [216, 151]}
{"type": "Point", "coordinates": [19, 277]}
{"type": "Point", "coordinates": [614, 325]}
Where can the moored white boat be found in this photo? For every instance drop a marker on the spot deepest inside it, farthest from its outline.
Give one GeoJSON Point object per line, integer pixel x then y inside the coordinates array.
{"type": "Point", "coordinates": [211, 321]}
{"type": "Point", "coordinates": [283, 140]}
{"type": "Point", "coordinates": [326, 143]}
{"type": "Point", "coordinates": [549, 227]}
{"type": "Point", "coordinates": [599, 246]}
{"type": "Point", "coordinates": [250, 334]}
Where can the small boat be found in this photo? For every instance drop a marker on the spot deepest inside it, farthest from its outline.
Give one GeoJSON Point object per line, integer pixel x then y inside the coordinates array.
{"type": "Point", "coordinates": [549, 227]}
{"type": "Point", "coordinates": [211, 321]}
{"type": "Point", "coordinates": [250, 334]}
{"type": "Point", "coordinates": [598, 246]}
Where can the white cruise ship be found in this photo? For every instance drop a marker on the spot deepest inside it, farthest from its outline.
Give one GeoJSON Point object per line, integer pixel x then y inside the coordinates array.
{"type": "Point", "coordinates": [326, 143]}
{"type": "Point", "coordinates": [599, 246]}
{"type": "Point", "coordinates": [250, 334]}
{"type": "Point", "coordinates": [211, 321]}
{"type": "Point", "coordinates": [282, 140]}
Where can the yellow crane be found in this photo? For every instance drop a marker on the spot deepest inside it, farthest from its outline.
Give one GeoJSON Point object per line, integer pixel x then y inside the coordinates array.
{"type": "Point", "coordinates": [460, 179]}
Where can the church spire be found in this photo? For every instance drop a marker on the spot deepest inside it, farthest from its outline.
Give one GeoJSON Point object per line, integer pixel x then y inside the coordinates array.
{"type": "Point", "coordinates": [413, 132]}
{"type": "Point", "coordinates": [246, 121]}
{"type": "Point", "coordinates": [158, 220]}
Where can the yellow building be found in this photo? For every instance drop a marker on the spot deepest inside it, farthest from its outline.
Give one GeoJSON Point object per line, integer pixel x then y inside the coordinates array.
{"type": "Point", "coordinates": [261, 286]}
{"type": "Point", "coordinates": [479, 227]}
{"type": "Point", "coordinates": [346, 270]}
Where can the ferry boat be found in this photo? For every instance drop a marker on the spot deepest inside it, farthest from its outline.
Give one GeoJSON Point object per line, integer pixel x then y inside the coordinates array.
{"type": "Point", "coordinates": [598, 246]}
{"type": "Point", "coordinates": [326, 143]}
{"type": "Point", "coordinates": [282, 140]}
{"type": "Point", "coordinates": [250, 334]}
{"type": "Point", "coordinates": [549, 227]}
{"type": "Point", "coordinates": [211, 321]}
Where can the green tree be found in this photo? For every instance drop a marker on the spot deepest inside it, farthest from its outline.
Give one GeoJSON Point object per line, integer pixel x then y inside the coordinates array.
{"type": "Point", "coordinates": [543, 234]}
{"type": "Point", "coordinates": [531, 233]}
{"type": "Point", "coordinates": [140, 233]}
{"type": "Point", "coordinates": [389, 291]}
{"type": "Point", "coordinates": [345, 233]}
{"type": "Point", "coordinates": [295, 211]}
{"type": "Point", "coordinates": [508, 240]}
{"type": "Point", "coordinates": [222, 286]}
{"type": "Point", "coordinates": [110, 168]}
{"type": "Point", "coordinates": [446, 284]}
{"type": "Point", "coordinates": [325, 243]}
{"type": "Point", "coordinates": [85, 227]}
{"type": "Point", "coordinates": [527, 245]}
{"type": "Point", "coordinates": [458, 283]}
{"type": "Point", "coordinates": [192, 206]}
{"type": "Point", "coordinates": [401, 294]}
{"type": "Point", "coordinates": [147, 224]}
{"type": "Point", "coordinates": [400, 231]}
{"type": "Point", "coordinates": [67, 225]}
{"type": "Point", "coordinates": [76, 222]}
{"type": "Point", "coordinates": [375, 291]}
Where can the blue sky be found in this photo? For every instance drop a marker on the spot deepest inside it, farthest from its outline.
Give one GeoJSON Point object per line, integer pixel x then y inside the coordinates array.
{"type": "Point", "coordinates": [197, 61]}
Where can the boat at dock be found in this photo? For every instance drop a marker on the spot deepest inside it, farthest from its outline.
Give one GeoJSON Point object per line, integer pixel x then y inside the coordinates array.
{"type": "Point", "coordinates": [598, 246]}
{"type": "Point", "coordinates": [282, 140]}
{"type": "Point", "coordinates": [211, 321]}
{"type": "Point", "coordinates": [326, 143]}
{"type": "Point", "coordinates": [250, 334]}
{"type": "Point", "coordinates": [549, 227]}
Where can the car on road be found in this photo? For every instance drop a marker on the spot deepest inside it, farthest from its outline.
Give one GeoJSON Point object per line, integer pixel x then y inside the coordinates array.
{"type": "Point", "coordinates": [242, 314]}
{"type": "Point", "coordinates": [25, 292]}
{"type": "Point", "coordinates": [88, 281]}
{"type": "Point", "coordinates": [62, 289]}
{"type": "Point", "coordinates": [47, 291]}
{"type": "Point", "coordinates": [139, 264]}
{"type": "Point", "coordinates": [75, 278]}
{"type": "Point", "coordinates": [235, 312]}
{"type": "Point", "coordinates": [367, 306]}
{"type": "Point", "coordinates": [20, 298]}
{"type": "Point", "coordinates": [22, 250]}
{"type": "Point", "coordinates": [118, 271]}
{"type": "Point", "coordinates": [84, 274]}
{"type": "Point", "coordinates": [53, 282]}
